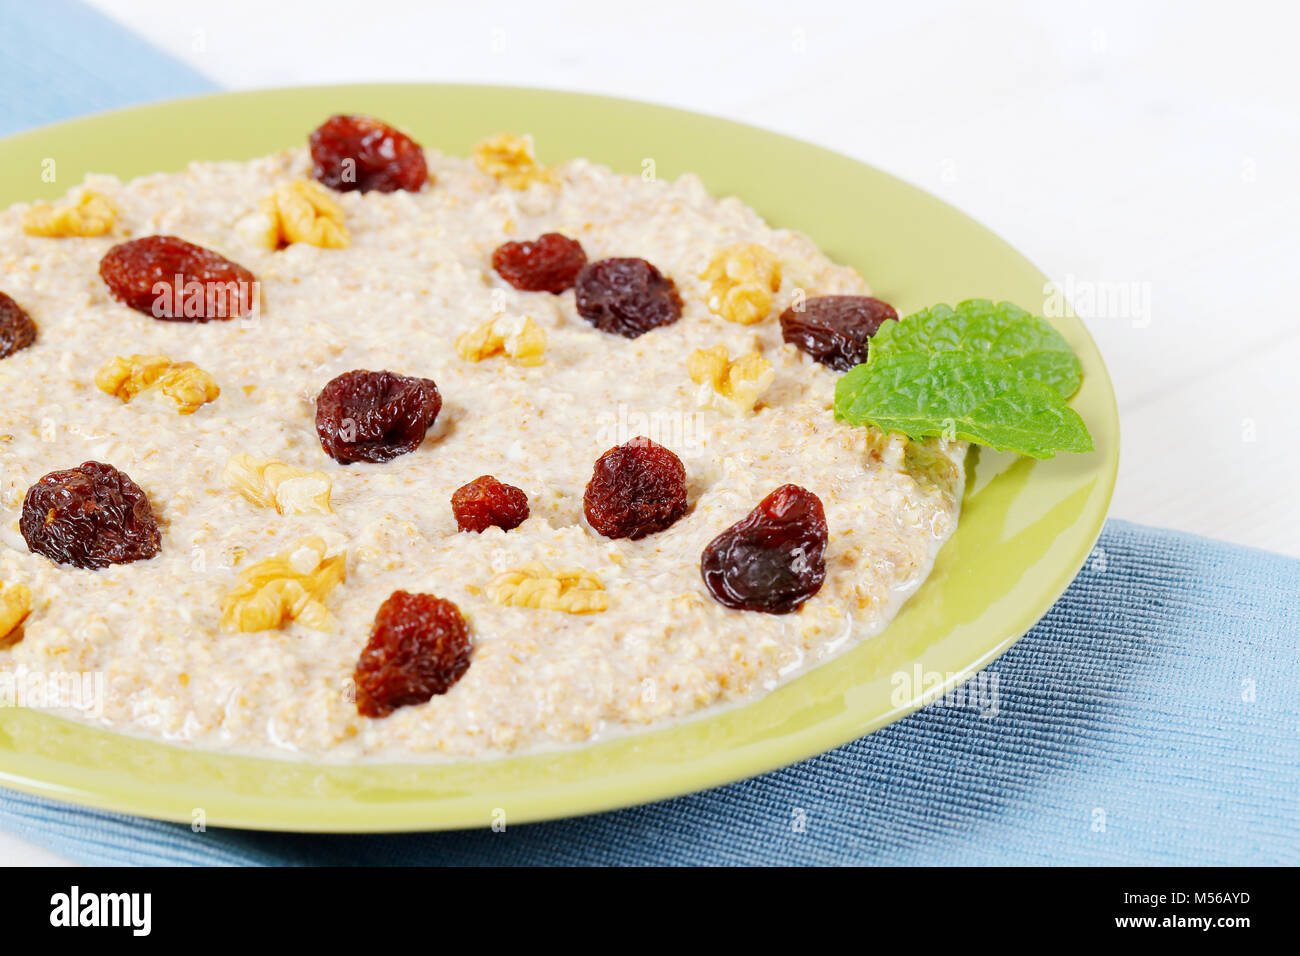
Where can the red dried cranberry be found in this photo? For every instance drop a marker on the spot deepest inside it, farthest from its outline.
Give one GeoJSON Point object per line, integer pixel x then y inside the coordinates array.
{"type": "Point", "coordinates": [358, 152]}
{"type": "Point", "coordinates": [774, 559]}
{"type": "Point", "coordinates": [177, 281]}
{"type": "Point", "coordinates": [636, 489]}
{"type": "Point", "coordinates": [836, 330]}
{"type": "Point", "coordinates": [375, 416]}
{"type": "Point", "coordinates": [626, 297]}
{"type": "Point", "coordinates": [17, 330]}
{"type": "Point", "coordinates": [486, 503]}
{"type": "Point", "coordinates": [89, 517]}
{"type": "Point", "coordinates": [419, 647]}
{"type": "Point", "coordinates": [549, 263]}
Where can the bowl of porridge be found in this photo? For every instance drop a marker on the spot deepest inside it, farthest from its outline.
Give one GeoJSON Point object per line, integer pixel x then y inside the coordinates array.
{"type": "Point", "coordinates": [359, 476]}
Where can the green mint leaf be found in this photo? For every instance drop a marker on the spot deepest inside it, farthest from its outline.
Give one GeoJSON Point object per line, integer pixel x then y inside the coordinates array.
{"type": "Point", "coordinates": [959, 395]}
{"type": "Point", "coordinates": [1000, 331]}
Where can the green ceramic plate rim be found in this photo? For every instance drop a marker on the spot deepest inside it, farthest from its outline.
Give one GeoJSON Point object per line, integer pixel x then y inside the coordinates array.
{"type": "Point", "coordinates": [1027, 526]}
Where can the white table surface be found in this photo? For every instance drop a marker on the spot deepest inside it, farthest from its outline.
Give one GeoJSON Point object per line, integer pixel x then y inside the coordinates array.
{"type": "Point", "coordinates": [1148, 152]}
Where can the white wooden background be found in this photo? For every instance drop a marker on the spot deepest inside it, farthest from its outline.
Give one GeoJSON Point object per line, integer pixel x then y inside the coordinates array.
{"type": "Point", "coordinates": [1142, 153]}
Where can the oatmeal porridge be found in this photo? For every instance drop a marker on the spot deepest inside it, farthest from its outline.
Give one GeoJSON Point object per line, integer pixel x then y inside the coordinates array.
{"type": "Point", "coordinates": [478, 456]}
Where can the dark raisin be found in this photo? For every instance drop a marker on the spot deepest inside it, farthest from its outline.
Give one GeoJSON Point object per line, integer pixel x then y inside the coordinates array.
{"type": "Point", "coordinates": [487, 503]}
{"type": "Point", "coordinates": [419, 647]}
{"type": "Point", "coordinates": [626, 297]}
{"type": "Point", "coordinates": [177, 281]}
{"type": "Point", "coordinates": [90, 517]}
{"type": "Point", "coordinates": [836, 330]}
{"type": "Point", "coordinates": [17, 330]}
{"type": "Point", "coordinates": [549, 263]}
{"type": "Point", "coordinates": [774, 559]}
{"type": "Point", "coordinates": [375, 416]}
{"type": "Point", "coordinates": [636, 489]}
{"type": "Point", "coordinates": [358, 152]}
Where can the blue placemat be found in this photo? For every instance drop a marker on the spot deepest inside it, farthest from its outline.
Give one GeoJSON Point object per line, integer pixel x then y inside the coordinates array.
{"type": "Point", "coordinates": [1152, 717]}
{"type": "Point", "coordinates": [59, 58]}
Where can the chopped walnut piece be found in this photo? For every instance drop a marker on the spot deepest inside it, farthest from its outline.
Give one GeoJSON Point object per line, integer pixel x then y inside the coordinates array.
{"type": "Point", "coordinates": [509, 159]}
{"type": "Point", "coordinates": [260, 228]}
{"type": "Point", "coordinates": [189, 387]}
{"type": "Point", "coordinates": [307, 213]}
{"type": "Point", "coordinates": [741, 281]}
{"type": "Point", "coordinates": [291, 586]}
{"type": "Point", "coordinates": [126, 377]}
{"type": "Point", "coordinates": [273, 484]}
{"type": "Point", "coordinates": [517, 337]}
{"type": "Point", "coordinates": [296, 211]}
{"type": "Point", "coordinates": [15, 605]}
{"type": "Point", "coordinates": [183, 382]}
{"type": "Point", "coordinates": [729, 386]}
{"type": "Point", "coordinates": [92, 215]}
{"type": "Point", "coordinates": [534, 585]}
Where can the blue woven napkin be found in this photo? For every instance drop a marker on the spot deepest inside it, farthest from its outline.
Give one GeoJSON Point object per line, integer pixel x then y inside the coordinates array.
{"type": "Point", "coordinates": [59, 59]}
{"type": "Point", "coordinates": [1152, 717]}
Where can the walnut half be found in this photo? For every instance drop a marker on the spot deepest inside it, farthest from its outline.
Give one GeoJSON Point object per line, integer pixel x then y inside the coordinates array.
{"type": "Point", "coordinates": [291, 586]}
{"type": "Point", "coordinates": [517, 337]}
{"type": "Point", "coordinates": [509, 159]}
{"type": "Point", "coordinates": [273, 484]}
{"type": "Point", "coordinates": [91, 215]}
{"type": "Point", "coordinates": [741, 281]}
{"type": "Point", "coordinates": [534, 585]}
{"type": "Point", "coordinates": [15, 605]}
{"type": "Point", "coordinates": [297, 211]}
{"type": "Point", "coordinates": [732, 387]}
{"type": "Point", "coordinates": [183, 382]}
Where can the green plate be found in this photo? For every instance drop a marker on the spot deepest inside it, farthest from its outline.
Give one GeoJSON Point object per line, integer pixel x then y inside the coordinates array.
{"type": "Point", "coordinates": [1025, 531]}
